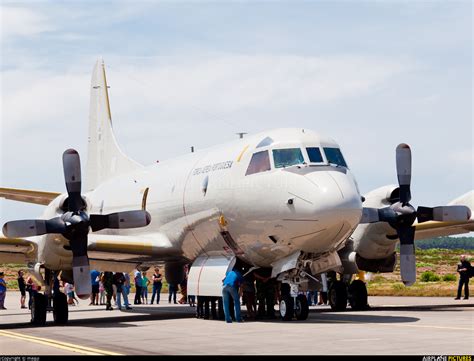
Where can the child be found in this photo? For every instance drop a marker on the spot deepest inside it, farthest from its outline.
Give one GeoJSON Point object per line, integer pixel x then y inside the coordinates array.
{"type": "Point", "coordinates": [69, 291]}
{"type": "Point", "coordinates": [145, 283]}
{"type": "Point", "coordinates": [3, 291]}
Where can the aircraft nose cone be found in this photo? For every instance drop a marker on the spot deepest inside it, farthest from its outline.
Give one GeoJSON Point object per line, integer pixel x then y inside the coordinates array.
{"type": "Point", "coordinates": [336, 194]}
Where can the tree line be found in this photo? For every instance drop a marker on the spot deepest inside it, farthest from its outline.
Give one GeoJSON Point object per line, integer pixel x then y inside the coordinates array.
{"type": "Point", "coordinates": [447, 243]}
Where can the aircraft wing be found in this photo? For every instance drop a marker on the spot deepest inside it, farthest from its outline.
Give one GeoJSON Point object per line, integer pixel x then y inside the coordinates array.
{"type": "Point", "coordinates": [118, 251]}
{"type": "Point", "coordinates": [17, 250]}
{"type": "Point", "coordinates": [28, 196]}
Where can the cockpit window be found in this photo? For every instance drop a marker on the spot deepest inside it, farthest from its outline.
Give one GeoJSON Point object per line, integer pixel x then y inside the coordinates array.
{"type": "Point", "coordinates": [265, 142]}
{"type": "Point", "coordinates": [287, 157]}
{"type": "Point", "coordinates": [260, 162]}
{"type": "Point", "coordinates": [334, 156]}
{"type": "Point", "coordinates": [314, 155]}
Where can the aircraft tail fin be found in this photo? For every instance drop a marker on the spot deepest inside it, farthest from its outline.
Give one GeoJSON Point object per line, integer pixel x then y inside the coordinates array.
{"type": "Point", "coordinates": [104, 158]}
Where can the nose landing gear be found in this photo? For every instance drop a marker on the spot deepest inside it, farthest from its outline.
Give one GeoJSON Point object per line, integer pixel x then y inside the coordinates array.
{"type": "Point", "coordinates": [293, 305]}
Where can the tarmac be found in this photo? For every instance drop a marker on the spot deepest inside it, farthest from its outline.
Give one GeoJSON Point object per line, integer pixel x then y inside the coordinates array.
{"type": "Point", "coordinates": [392, 326]}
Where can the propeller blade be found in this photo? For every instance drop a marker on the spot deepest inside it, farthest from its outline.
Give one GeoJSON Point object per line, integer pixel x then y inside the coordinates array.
{"type": "Point", "coordinates": [127, 219]}
{"type": "Point", "coordinates": [372, 215]}
{"type": "Point", "coordinates": [81, 272]}
{"type": "Point", "coordinates": [403, 160]}
{"type": "Point", "coordinates": [80, 265]}
{"type": "Point", "coordinates": [443, 214]}
{"type": "Point", "coordinates": [72, 177]}
{"type": "Point", "coordinates": [33, 227]}
{"type": "Point", "coordinates": [407, 255]}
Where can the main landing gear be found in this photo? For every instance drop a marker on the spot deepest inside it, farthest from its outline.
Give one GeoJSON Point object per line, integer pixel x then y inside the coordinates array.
{"type": "Point", "coordinates": [51, 301]}
{"type": "Point", "coordinates": [340, 293]}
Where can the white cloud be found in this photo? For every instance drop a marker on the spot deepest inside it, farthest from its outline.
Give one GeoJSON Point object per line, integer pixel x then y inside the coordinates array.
{"type": "Point", "coordinates": [19, 21]}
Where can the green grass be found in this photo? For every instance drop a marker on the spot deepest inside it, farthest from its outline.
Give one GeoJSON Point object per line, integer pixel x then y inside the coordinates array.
{"type": "Point", "coordinates": [436, 275]}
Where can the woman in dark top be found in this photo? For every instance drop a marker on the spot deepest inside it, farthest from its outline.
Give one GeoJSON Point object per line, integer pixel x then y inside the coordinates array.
{"type": "Point", "coordinates": [22, 287]}
{"type": "Point", "coordinates": [157, 284]}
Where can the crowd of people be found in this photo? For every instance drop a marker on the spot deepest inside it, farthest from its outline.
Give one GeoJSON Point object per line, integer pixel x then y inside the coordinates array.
{"type": "Point", "coordinates": [256, 289]}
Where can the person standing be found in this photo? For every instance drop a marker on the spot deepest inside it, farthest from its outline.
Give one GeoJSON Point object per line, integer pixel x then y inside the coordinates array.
{"type": "Point", "coordinates": [95, 277]}
{"type": "Point", "coordinates": [172, 290]}
{"type": "Point", "coordinates": [464, 270]}
{"type": "Point", "coordinates": [184, 286]}
{"type": "Point", "coordinates": [230, 290]}
{"type": "Point", "coordinates": [138, 288]}
{"type": "Point", "coordinates": [266, 288]}
{"type": "Point", "coordinates": [157, 284]}
{"type": "Point", "coordinates": [108, 279]}
{"type": "Point", "coordinates": [32, 289]}
{"type": "Point", "coordinates": [3, 291]}
{"type": "Point", "coordinates": [249, 295]}
{"type": "Point", "coordinates": [145, 283]}
{"type": "Point", "coordinates": [22, 288]}
{"type": "Point", "coordinates": [119, 282]}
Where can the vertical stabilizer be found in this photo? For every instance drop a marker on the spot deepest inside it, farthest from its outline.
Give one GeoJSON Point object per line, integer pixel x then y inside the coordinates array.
{"type": "Point", "coordinates": [104, 158]}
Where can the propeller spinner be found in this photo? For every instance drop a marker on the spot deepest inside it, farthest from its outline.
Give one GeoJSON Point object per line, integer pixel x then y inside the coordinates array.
{"type": "Point", "coordinates": [75, 223]}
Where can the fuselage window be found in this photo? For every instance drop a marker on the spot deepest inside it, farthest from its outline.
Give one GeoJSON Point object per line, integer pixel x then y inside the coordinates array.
{"type": "Point", "coordinates": [260, 162]}
{"type": "Point", "coordinates": [314, 155]}
{"type": "Point", "coordinates": [287, 157]}
{"type": "Point", "coordinates": [334, 156]}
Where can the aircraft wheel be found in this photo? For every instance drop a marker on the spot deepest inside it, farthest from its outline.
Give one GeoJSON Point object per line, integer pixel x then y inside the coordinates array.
{"type": "Point", "coordinates": [60, 308]}
{"type": "Point", "coordinates": [286, 308]}
{"type": "Point", "coordinates": [38, 309]}
{"type": "Point", "coordinates": [302, 308]}
{"type": "Point", "coordinates": [338, 296]}
{"type": "Point", "coordinates": [358, 295]}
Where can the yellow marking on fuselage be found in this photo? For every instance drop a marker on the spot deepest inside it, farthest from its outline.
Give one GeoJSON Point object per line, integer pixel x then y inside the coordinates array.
{"type": "Point", "coordinates": [57, 344]}
{"type": "Point", "coordinates": [242, 153]}
{"type": "Point", "coordinates": [134, 248]}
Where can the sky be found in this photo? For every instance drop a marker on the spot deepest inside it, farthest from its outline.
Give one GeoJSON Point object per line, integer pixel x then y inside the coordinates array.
{"type": "Point", "coordinates": [369, 74]}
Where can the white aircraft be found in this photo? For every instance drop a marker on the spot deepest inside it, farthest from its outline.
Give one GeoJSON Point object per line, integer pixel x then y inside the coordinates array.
{"type": "Point", "coordinates": [283, 199]}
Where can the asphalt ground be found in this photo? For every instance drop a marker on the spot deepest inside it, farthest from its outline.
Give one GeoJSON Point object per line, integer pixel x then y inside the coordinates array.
{"type": "Point", "coordinates": [393, 325]}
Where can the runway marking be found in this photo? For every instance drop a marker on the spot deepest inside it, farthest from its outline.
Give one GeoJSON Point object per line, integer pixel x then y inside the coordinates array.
{"type": "Point", "coordinates": [58, 344]}
{"type": "Point", "coordinates": [391, 324]}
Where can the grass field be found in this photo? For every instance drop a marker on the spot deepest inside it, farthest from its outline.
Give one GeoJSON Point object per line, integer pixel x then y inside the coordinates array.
{"type": "Point", "coordinates": [440, 262]}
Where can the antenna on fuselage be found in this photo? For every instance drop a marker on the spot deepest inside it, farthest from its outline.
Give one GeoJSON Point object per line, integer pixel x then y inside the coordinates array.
{"type": "Point", "coordinates": [241, 134]}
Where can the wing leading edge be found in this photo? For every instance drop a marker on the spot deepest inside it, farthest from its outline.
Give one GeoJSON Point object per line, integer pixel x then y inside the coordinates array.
{"type": "Point", "coordinates": [28, 196]}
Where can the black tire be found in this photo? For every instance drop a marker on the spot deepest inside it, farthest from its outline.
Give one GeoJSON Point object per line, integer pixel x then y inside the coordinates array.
{"type": "Point", "coordinates": [338, 296]}
{"type": "Point", "coordinates": [38, 309]}
{"type": "Point", "coordinates": [302, 308]}
{"type": "Point", "coordinates": [286, 308]}
{"type": "Point", "coordinates": [60, 308]}
{"type": "Point", "coordinates": [358, 295]}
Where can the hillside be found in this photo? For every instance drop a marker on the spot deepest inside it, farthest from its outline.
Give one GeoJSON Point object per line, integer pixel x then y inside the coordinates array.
{"type": "Point", "coordinates": [442, 281]}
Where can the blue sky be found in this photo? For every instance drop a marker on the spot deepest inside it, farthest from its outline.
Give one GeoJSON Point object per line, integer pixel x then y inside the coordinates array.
{"type": "Point", "coordinates": [369, 74]}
